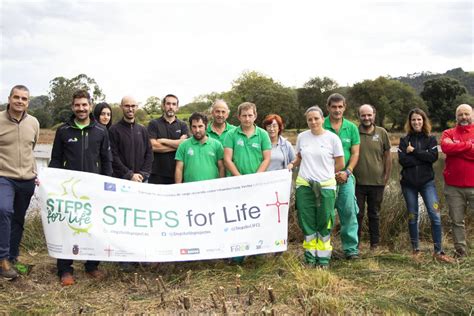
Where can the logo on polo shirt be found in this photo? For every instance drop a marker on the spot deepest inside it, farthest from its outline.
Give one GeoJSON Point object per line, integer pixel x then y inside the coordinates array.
{"type": "Point", "coordinates": [72, 140]}
{"type": "Point", "coordinates": [240, 142]}
{"type": "Point", "coordinates": [256, 145]}
{"type": "Point", "coordinates": [190, 152]}
{"type": "Point", "coordinates": [212, 154]}
{"type": "Point", "coordinates": [346, 140]}
{"type": "Point", "coordinates": [375, 137]}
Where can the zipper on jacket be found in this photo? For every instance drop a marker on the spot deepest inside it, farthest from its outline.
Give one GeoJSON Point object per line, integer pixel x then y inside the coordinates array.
{"type": "Point", "coordinates": [133, 148]}
{"type": "Point", "coordinates": [82, 150]}
{"type": "Point", "coordinates": [19, 147]}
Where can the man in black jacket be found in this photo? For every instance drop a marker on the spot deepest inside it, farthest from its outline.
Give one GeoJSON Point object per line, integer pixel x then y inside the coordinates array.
{"type": "Point", "coordinates": [131, 149]}
{"type": "Point", "coordinates": [82, 145]}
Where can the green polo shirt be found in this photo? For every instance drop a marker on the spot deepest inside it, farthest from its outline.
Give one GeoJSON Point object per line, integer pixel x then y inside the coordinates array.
{"type": "Point", "coordinates": [371, 166]}
{"type": "Point", "coordinates": [221, 137]}
{"type": "Point", "coordinates": [247, 151]}
{"type": "Point", "coordinates": [200, 160]}
{"type": "Point", "coordinates": [349, 135]}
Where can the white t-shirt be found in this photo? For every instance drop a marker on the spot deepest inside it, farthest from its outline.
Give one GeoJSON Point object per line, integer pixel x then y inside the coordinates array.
{"type": "Point", "coordinates": [318, 153]}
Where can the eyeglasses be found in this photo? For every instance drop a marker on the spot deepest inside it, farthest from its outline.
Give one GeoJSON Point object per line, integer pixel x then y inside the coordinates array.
{"type": "Point", "coordinates": [129, 106]}
{"type": "Point", "coordinates": [274, 126]}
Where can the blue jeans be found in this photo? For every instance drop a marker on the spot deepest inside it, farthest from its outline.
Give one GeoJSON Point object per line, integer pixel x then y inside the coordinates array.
{"type": "Point", "coordinates": [15, 196]}
{"type": "Point", "coordinates": [430, 198]}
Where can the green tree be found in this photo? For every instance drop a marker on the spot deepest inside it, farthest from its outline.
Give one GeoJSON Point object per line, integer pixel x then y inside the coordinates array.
{"type": "Point", "coordinates": [38, 102]}
{"type": "Point", "coordinates": [440, 95]}
{"type": "Point", "coordinates": [152, 105]}
{"type": "Point", "coordinates": [391, 98]}
{"type": "Point", "coordinates": [314, 92]}
{"type": "Point", "coordinates": [268, 95]}
{"type": "Point", "coordinates": [60, 94]}
{"type": "Point", "coordinates": [44, 118]}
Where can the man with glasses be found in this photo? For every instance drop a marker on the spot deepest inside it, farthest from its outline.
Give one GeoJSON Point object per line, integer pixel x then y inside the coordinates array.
{"type": "Point", "coordinates": [18, 137]}
{"type": "Point", "coordinates": [166, 133]}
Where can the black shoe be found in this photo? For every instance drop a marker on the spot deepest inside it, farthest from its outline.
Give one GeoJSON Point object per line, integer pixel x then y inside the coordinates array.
{"type": "Point", "coordinates": [460, 253]}
{"type": "Point", "coordinates": [353, 256]}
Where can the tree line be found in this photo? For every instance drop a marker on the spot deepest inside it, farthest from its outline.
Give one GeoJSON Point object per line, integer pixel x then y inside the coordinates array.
{"type": "Point", "coordinates": [393, 98]}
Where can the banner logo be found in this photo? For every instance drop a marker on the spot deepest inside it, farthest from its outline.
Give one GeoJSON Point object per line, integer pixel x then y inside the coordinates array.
{"type": "Point", "coordinates": [69, 207]}
{"type": "Point", "coordinates": [278, 204]}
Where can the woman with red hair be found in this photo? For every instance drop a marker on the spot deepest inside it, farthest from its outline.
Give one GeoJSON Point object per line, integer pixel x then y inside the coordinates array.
{"type": "Point", "coordinates": [282, 150]}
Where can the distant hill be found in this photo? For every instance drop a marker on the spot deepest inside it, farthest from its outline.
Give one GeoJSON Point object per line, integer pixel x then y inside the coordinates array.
{"type": "Point", "coordinates": [416, 80]}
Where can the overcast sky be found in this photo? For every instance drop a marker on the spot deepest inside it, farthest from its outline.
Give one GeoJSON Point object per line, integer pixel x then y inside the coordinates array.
{"type": "Point", "coordinates": [189, 48]}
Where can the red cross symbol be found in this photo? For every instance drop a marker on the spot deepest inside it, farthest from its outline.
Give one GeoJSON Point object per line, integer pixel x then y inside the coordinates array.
{"type": "Point", "coordinates": [108, 250]}
{"type": "Point", "coordinates": [277, 204]}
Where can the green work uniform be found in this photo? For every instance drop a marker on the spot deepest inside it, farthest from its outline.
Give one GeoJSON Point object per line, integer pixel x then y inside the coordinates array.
{"type": "Point", "coordinates": [346, 203]}
{"type": "Point", "coordinates": [200, 160]}
{"type": "Point", "coordinates": [247, 152]}
{"type": "Point", "coordinates": [315, 205]}
{"type": "Point", "coordinates": [221, 137]}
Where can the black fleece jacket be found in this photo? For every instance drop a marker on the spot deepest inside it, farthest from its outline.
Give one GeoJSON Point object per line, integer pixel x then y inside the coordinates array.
{"type": "Point", "coordinates": [85, 150]}
{"type": "Point", "coordinates": [417, 165]}
{"type": "Point", "coordinates": [131, 150]}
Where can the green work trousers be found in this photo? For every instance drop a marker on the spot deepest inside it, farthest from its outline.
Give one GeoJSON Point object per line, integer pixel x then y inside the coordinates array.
{"type": "Point", "coordinates": [316, 218]}
{"type": "Point", "coordinates": [347, 209]}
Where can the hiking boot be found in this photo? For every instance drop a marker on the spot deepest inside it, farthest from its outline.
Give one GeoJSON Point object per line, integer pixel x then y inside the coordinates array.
{"type": "Point", "coordinates": [67, 279]}
{"type": "Point", "coordinates": [96, 274]}
{"type": "Point", "coordinates": [374, 247]}
{"type": "Point", "coordinates": [417, 255]}
{"type": "Point", "coordinates": [459, 253]}
{"type": "Point", "coordinates": [353, 256]}
{"type": "Point", "coordinates": [6, 270]}
{"type": "Point", "coordinates": [442, 257]}
{"type": "Point", "coordinates": [322, 266]}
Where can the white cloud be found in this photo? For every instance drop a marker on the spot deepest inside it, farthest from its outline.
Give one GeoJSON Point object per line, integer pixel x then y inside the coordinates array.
{"type": "Point", "coordinates": [191, 48]}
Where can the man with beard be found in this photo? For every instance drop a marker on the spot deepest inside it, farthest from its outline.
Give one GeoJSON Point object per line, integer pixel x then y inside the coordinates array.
{"type": "Point", "coordinates": [130, 144]}
{"type": "Point", "coordinates": [200, 157]}
{"type": "Point", "coordinates": [219, 127]}
{"type": "Point", "coordinates": [372, 171]}
{"type": "Point", "coordinates": [19, 134]}
{"type": "Point", "coordinates": [458, 145]}
{"type": "Point", "coordinates": [166, 133]}
{"type": "Point", "coordinates": [81, 144]}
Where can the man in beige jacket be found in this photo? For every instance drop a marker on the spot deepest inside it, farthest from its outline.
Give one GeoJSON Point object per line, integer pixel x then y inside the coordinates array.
{"type": "Point", "coordinates": [19, 134]}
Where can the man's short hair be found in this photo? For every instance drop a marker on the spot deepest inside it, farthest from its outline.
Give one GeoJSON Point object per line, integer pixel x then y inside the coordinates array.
{"type": "Point", "coordinates": [336, 97]}
{"type": "Point", "coordinates": [196, 116]}
{"type": "Point", "coordinates": [79, 94]}
{"type": "Point", "coordinates": [170, 96]}
{"type": "Point", "coordinates": [246, 106]}
{"type": "Point", "coordinates": [219, 101]}
{"type": "Point", "coordinates": [19, 87]}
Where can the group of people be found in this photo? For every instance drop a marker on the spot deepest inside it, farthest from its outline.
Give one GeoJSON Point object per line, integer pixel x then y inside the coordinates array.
{"type": "Point", "coordinates": [340, 166]}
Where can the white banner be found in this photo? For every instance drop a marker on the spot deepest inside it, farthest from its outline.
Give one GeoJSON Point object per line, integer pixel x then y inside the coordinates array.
{"type": "Point", "coordinates": [92, 217]}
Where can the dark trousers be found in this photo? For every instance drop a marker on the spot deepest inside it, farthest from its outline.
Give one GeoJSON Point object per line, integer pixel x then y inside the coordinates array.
{"type": "Point", "coordinates": [65, 265]}
{"type": "Point", "coordinates": [373, 196]}
{"type": "Point", "coordinates": [15, 197]}
{"type": "Point", "coordinates": [157, 179]}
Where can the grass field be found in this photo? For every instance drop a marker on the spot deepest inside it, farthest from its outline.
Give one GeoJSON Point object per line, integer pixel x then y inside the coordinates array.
{"type": "Point", "coordinates": [384, 282]}
{"type": "Point", "coordinates": [388, 281]}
